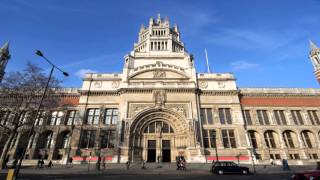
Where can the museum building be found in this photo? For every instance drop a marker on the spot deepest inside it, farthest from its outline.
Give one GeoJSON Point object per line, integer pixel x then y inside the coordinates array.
{"type": "Point", "coordinates": [159, 107]}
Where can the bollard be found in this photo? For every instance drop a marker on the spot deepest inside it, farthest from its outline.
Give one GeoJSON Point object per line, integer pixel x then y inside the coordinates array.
{"type": "Point", "coordinates": [10, 174]}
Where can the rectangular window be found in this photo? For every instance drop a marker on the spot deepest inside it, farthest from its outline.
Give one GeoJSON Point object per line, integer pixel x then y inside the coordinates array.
{"type": "Point", "coordinates": [313, 116]}
{"type": "Point", "coordinates": [263, 117]}
{"type": "Point", "coordinates": [209, 138]}
{"type": "Point", "coordinates": [228, 138]}
{"type": "Point", "coordinates": [280, 117]}
{"type": "Point", "coordinates": [70, 117]}
{"type": "Point", "coordinates": [88, 138]}
{"type": "Point", "coordinates": [40, 118]}
{"type": "Point", "coordinates": [297, 118]}
{"type": "Point", "coordinates": [107, 138]}
{"type": "Point", "coordinates": [206, 115]}
{"type": "Point", "coordinates": [55, 118]}
{"type": "Point", "coordinates": [247, 117]}
{"type": "Point", "coordinates": [93, 116]}
{"type": "Point", "coordinates": [111, 116]}
{"type": "Point", "coordinates": [225, 116]}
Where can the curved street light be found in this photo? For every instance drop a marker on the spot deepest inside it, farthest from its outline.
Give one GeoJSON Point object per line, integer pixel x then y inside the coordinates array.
{"type": "Point", "coordinates": [39, 53]}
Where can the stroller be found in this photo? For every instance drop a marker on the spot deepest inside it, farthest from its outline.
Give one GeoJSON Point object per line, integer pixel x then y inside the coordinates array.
{"type": "Point", "coordinates": [181, 163]}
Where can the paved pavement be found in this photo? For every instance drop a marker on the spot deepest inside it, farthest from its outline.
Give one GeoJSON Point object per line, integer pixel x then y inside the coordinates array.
{"type": "Point", "coordinates": [166, 171]}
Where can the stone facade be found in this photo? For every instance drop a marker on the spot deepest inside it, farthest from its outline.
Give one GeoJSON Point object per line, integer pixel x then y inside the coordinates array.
{"type": "Point", "coordinates": [159, 107]}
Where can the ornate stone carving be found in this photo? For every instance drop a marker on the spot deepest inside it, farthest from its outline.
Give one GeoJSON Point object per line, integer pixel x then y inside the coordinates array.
{"type": "Point", "coordinates": [203, 84]}
{"type": "Point", "coordinates": [115, 84]}
{"type": "Point", "coordinates": [181, 109]}
{"type": "Point", "coordinates": [159, 74]}
{"type": "Point", "coordinates": [159, 97]}
{"type": "Point", "coordinates": [221, 85]}
{"type": "Point", "coordinates": [97, 84]}
{"type": "Point", "coordinates": [134, 109]}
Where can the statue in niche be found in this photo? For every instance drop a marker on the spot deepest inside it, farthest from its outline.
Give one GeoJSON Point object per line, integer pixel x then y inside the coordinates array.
{"type": "Point", "coordinates": [159, 97]}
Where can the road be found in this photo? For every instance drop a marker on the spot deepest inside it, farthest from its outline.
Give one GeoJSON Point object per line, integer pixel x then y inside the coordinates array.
{"type": "Point", "coordinates": [148, 177]}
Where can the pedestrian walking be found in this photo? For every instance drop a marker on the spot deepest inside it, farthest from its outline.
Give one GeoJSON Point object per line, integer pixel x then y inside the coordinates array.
{"type": "Point", "coordinates": [50, 164]}
{"type": "Point", "coordinates": [128, 165]}
{"type": "Point", "coordinates": [71, 162]}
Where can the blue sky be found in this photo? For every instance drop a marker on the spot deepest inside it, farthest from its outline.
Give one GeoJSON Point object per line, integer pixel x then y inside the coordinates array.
{"type": "Point", "coordinates": [264, 43]}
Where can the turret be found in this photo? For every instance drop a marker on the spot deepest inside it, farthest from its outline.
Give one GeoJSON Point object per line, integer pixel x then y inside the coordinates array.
{"type": "Point", "coordinates": [4, 58]}
{"type": "Point", "coordinates": [315, 59]}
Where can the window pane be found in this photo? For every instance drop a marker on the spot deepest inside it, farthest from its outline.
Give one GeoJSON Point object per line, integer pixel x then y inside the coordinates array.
{"type": "Point", "coordinates": [260, 117]}
{"type": "Point", "coordinates": [228, 116]}
{"type": "Point", "coordinates": [221, 116]}
{"type": "Point", "coordinates": [203, 116]}
{"type": "Point", "coordinates": [265, 117]}
{"type": "Point", "coordinates": [209, 116]}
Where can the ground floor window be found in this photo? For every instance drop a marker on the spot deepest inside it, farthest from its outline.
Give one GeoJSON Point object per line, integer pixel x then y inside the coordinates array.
{"type": "Point", "coordinates": [87, 139]}
{"type": "Point", "coordinates": [275, 156]}
{"type": "Point", "coordinates": [313, 156]}
{"type": "Point", "coordinates": [228, 138]}
{"type": "Point", "coordinates": [294, 156]}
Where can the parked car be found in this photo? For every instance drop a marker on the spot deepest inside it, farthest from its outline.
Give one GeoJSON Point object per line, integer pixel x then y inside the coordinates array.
{"type": "Point", "coordinates": [306, 175]}
{"type": "Point", "coordinates": [225, 167]}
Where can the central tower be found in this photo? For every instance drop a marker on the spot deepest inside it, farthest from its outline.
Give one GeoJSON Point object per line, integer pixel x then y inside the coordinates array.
{"type": "Point", "coordinates": [159, 47]}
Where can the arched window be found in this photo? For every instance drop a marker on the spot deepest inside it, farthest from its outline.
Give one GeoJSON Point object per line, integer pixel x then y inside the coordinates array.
{"type": "Point", "coordinates": [287, 137]}
{"type": "Point", "coordinates": [269, 139]}
{"type": "Point", "coordinates": [158, 127]}
{"type": "Point", "coordinates": [48, 140]}
{"type": "Point", "coordinates": [253, 139]}
{"type": "Point", "coordinates": [306, 138]}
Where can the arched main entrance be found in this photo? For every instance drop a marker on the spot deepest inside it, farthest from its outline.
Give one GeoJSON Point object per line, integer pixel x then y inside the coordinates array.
{"type": "Point", "coordinates": [158, 135]}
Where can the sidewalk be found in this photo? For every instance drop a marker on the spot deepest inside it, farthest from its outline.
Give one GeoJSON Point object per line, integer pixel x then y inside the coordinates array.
{"type": "Point", "coordinates": [151, 168]}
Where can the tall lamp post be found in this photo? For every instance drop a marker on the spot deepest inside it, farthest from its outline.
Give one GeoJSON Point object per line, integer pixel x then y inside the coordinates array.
{"type": "Point", "coordinates": [216, 146]}
{"type": "Point", "coordinates": [39, 53]}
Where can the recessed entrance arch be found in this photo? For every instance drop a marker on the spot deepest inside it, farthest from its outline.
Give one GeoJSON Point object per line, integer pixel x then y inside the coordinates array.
{"type": "Point", "coordinates": [158, 134]}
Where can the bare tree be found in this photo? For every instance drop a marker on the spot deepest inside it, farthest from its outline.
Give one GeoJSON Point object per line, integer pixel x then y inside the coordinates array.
{"type": "Point", "coordinates": [20, 94]}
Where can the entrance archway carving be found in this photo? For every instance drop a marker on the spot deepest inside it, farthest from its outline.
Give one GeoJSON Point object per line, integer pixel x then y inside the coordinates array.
{"type": "Point", "coordinates": [139, 139]}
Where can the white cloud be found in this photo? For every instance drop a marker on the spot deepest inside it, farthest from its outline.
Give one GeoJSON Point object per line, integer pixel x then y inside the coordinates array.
{"type": "Point", "coordinates": [82, 72]}
{"type": "Point", "coordinates": [241, 65]}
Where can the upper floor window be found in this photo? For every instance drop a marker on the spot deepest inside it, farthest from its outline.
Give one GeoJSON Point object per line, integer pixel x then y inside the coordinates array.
{"type": "Point", "coordinates": [313, 116]}
{"type": "Point", "coordinates": [4, 117]}
{"type": "Point", "coordinates": [111, 116]}
{"type": "Point", "coordinates": [56, 117]}
{"type": "Point", "coordinates": [297, 118]}
{"type": "Point", "coordinates": [280, 117]}
{"type": "Point", "coordinates": [70, 117]}
{"type": "Point", "coordinates": [206, 115]}
{"type": "Point", "coordinates": [247, 117]}
{"type": "Point", "coordinates": [40, 118]}
{"type": "Point", "coordinates": [263, 117]}
{"type": "Point", "coordinates": [225, 116]}
{"type": "Point", "coordinates": [228, 138]}
{"type": "Point", "coordinates": [93, 116]}
{"type": "Point", "coordinates": [209, 138]}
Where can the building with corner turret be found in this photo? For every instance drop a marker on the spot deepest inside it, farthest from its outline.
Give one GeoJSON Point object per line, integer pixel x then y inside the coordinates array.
{"type": "Point", "coordinates": [159, 108]}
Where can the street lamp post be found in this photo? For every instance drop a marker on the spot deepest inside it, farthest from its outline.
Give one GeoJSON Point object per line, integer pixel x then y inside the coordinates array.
{"type": "Point", "coordinates": [39, 53]}
{"type": "Point", "coordinates": [216, 146]}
